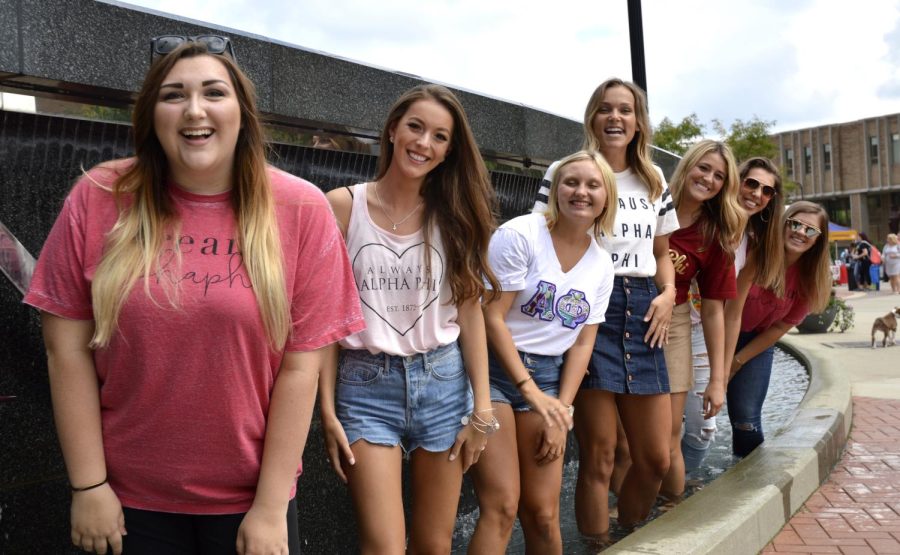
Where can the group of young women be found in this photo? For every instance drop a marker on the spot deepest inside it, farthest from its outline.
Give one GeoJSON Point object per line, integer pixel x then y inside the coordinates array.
{"type": "Point", "coordinates": [193, 296]}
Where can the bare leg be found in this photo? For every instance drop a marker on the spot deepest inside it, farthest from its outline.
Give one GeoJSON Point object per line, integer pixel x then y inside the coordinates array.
{"type": "Point", "coordinates": [435, 496]}
{"type": "Point", "coordinates": [595, 417]}
{"type": "Point", "coordinates": [375, 487]}
{"type": "Point", "coordinates": [673, 484]}
{"type": "Point", "coordinates": [496, 480]}
{"type": "Point", "coordinates": [648, 425]}
{"type": "Point", "coordinates": [622, 460]}
{"type": "Point", "coordinates": [539, 508]}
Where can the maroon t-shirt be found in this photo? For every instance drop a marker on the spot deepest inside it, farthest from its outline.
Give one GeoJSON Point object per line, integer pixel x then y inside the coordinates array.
{"type": "Point", "coordinates": [694, 257]}
{"type": "Point", "coordinates": [763, 308]}
{"type": "Point", "coordinates": [184, 392]}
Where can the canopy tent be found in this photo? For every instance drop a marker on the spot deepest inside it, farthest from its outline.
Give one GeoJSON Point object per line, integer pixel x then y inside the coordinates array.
{"type": "Point", "coordinates": [840, 233]}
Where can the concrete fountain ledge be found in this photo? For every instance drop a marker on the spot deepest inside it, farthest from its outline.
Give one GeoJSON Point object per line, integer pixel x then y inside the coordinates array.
{"type": "Point", "coordinates": [742, 510]}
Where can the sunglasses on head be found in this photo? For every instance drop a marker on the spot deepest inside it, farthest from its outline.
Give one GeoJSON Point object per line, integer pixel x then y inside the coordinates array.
{"type": "Point", "coordinates": [810, 231]}
{"type": "Point", "coordinates": [214, 44]}
{"type": "Point", "coordinates": [753, 184]}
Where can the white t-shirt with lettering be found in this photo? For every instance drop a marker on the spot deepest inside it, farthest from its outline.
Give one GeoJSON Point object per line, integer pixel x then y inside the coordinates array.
{"type": "Point", "coordinates": [551, 305]}
{"type": "Point", "coordinates": [638, 221]}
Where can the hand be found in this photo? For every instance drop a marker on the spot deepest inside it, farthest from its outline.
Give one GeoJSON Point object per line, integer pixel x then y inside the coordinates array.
{"type": "Point", "coordinates": [713, 398]}
{"type": "Point", "coordinates": [551, 409]}
{"type": "Point", "coordinates": [263, 532]}
{"type": "Point", "coordinates": [97, 520]}
{"type": "Point", "coordinates": [660, 316]}
{"type": "Point", "coordinates": [337, 446]}
{"type": "Point", "coordinates": [551, 445]}
{"type": "Point", "coordinates": [470, 442]}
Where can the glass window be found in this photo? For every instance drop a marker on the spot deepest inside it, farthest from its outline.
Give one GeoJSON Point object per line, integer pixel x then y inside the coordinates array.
{"type": "Point", "coordinates": [895, 148]}
{"type": "Point", "coordinates": [873, 150]}
{"type": "Point", "coordinates": [789, 161]}
{"type": "Point", "coordinates": [826, 156]}
{"type": "Point", "coordinates": [807, 159]}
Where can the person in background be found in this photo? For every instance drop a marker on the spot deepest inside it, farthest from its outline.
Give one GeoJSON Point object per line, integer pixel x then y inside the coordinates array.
{"type": "Point", "coordinates": [874, 261]}
{"type": "Point", "coordinates": [418, 237]}
{"type": "Point", "coordinates": [759, 317]}
{"type": "Point", "coordinates": [891, 256]}
{"type": "Point", "coordinates": [180, 296]}
{"type": "Point", "coordinates": [627, 376]}
{"type": "Point", "coordinates": [861, 255]}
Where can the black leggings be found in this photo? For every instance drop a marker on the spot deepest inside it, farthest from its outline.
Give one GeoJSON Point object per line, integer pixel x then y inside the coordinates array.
{"type": "Point", "coordinates": [155, 533]}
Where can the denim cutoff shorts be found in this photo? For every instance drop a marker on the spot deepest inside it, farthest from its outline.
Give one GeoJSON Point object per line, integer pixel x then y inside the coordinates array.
{"type": "Point", "coordinates": [412, 401]}
{"type": "Point", "coordinates": [544, 370]}
{"type": "Point", "coordinates": [621, 361]}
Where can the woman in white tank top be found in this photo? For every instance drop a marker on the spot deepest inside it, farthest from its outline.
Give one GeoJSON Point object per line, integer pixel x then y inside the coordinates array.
{"type": "Point", "coordinates": [417, 237]}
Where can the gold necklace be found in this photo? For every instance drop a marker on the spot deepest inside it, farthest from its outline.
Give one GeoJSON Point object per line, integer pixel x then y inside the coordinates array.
{"type": "Point", "coordinates": [388, 216]}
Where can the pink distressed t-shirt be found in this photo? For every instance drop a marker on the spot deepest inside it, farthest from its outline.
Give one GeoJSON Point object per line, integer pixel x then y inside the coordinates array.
{"type": "Point", "coordinates": [185, 391]}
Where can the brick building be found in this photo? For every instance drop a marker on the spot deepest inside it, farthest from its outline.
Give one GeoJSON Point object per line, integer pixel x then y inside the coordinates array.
{"type": "Point", "coordinates": [853, 169]}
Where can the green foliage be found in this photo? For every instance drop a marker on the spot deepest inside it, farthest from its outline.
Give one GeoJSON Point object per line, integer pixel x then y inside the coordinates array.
{"type": "Point", "coordinates": [105, 113]}
{"type": "Point", "coordinates": [679, 137]}
{"type": "Point", "coordinates": [843, 319]}
{"type": "Point", "coordinates": [792, 189]}
{"type": "Point", "coordinates": [748, 138]}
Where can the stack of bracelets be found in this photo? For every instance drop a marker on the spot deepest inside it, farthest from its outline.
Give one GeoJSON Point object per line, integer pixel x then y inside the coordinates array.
{"type": "Point", "coordinates": [480, 424]}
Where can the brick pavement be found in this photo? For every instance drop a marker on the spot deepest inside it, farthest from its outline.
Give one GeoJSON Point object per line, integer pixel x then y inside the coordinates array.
{"type": "Point", "coordinates": [857, 509]}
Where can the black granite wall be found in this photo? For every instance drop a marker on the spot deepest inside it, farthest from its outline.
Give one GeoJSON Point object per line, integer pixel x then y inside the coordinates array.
{"type": "Point", "coordinates": [101, 50]}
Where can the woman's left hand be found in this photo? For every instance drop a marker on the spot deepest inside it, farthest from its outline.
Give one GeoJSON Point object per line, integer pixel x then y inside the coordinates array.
{"type": "Point", "coordinates": [713, 399]}
{"type": "Point", "coordinates": [470, 442]}
{"type": "Point", "coordinates": [263, 532]}
{"type": "Point", "coordinates": [551, 444]}
{"type": "Point", "coordinates": [660, 316]}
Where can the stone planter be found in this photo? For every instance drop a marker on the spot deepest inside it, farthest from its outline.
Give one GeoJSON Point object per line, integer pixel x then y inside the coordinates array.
{"type": "Point", "coordinates": [818, 323]}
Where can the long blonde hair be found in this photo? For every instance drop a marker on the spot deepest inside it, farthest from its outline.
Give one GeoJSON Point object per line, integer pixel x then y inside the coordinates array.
{"type": "Point", "coordinates": [147, 213]}
{"type": "Point", "coordinates": [638, 151]}
{"type": "Point", "coordinates": [458, 195]}
{"type": "Point", "coordinates": [814, 265]}
{"type": "Point", "coordinates": [721, 218]}
{"type": "Point", "coordinates": [603, 223]}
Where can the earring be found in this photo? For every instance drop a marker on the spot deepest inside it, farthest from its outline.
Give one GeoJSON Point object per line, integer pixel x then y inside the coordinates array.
{"type": "Point", "coordinates": [764, 220]}
{"type": "Point", "coordinates": [392, 138]}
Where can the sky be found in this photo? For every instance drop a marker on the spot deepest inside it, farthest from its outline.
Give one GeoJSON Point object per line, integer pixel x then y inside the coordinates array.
{"type": "Point", "coordinates": [799, 63]}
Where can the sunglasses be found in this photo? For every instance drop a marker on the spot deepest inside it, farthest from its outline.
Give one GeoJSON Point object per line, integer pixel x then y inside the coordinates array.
{"type": "Point", "coordinates": [753, 184]}
{"type": "Point", "coordinates": [214, 44]}
{"type": "Point", "coordinates": [810, 231]}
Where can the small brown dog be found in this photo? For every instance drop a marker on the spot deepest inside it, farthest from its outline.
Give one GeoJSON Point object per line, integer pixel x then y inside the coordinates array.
{"type": "Point", "coordinates": [887, 325]}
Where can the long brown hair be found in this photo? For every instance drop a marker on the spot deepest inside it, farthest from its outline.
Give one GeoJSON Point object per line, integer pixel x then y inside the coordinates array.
{"type": "Point", "coordinates": [136, 241]}
{"type": "Point", "coordinates": [721, 218]}
{"type": "Point", "coordinates": [458, 196]}
{"type": "Point", "coordinates": [766, 242]}
{"type": "Point", "coordinates": [814, 265]}
{"type": "Point", "coordinates": [638, 152]}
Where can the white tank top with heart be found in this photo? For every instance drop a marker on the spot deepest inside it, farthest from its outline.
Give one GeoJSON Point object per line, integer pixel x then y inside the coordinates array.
{"type": "Point", "coordinates": [406, 305]}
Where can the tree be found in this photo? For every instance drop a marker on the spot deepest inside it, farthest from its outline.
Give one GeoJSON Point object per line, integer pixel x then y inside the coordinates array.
{"type": "Point", "coordinates": [678, 138]}
{"type": "Point", "coordinates": [748, 139]}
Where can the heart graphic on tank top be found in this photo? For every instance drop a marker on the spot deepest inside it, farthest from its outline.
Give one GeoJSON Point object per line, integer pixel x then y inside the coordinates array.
{"type": "Point", "coordinates": [398, 278]}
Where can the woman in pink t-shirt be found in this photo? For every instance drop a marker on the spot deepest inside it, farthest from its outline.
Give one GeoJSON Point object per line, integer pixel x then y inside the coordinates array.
{"type": "Point", "coordinates": [759, 317]}
{"type": "Point", "coordinates": [704, 188]}
{"type": "Point", "coordinates": [184, 328]}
